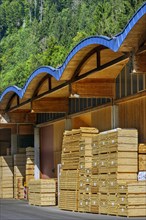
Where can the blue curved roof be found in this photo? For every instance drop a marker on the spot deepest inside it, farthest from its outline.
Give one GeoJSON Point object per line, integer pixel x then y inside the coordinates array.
{"type": "Point", "coordinates": [111, 43]}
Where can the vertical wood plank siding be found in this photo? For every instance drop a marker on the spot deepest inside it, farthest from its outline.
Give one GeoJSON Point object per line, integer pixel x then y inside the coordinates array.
{"type": "Point", "coordinates": [132, 114]}
{"type": "Point", "coordinates": [101, 118]}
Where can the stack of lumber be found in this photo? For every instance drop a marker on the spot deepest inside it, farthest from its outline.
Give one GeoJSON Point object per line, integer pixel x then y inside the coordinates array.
{"type": "Point", "coordinates": [142, 157]}
{"type": "Point", "coordinates": [29, 164]}
{"type": "Point", "coordinates": [42, 192]}
{"type": "Point", "coordinates": [106, 161]}
{"type": "Point", "coordinates": [95, 176]}
{"type": "Point", "coordinates": [117, 164]}
{"type": "Point", "coordinates": [6, 177]}
{"type": "Point", "coordinates": [132, 199]}
{"type": "Point", "coordinates": [68, 184]}
{"type": "Point", "coordinates": [69, 179]}
{"type": "Point", "coordinates": [70, 150]}
{"type": "Point", "coordinates": [88, 139]}
{"type": "Point", "coordinates": [19, 175]}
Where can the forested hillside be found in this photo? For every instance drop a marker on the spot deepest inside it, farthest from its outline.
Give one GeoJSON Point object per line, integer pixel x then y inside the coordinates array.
{"type": "Point", "coordinates": [42, 32]}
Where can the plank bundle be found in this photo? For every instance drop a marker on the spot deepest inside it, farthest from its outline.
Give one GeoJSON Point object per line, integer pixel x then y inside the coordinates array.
{"type": "Point", "coordinates": [87, 140]}
{"type": "Point", "coordinates": [76, 160]}
{"type": "Point", "coordinates": [142, 157]}
{"type": "Point", "coordinates": [42, 192]}
{"type": "Point", "coordinates": [132, 199]}
{"type": "Point", "coordinates": [117, 163]}
{"type": "Point", "coordinates": [70, 150]}
{"type": "Point", "coordinates": [107, 174]}
{"type": "Point", "coordinates": [6, 177]}
{"type": "Point", "coordinates": [19, 175]}
{"type": "Point", "coordinates": [69, 174]}
{"type": "Point", "coordinates": [29, 164]}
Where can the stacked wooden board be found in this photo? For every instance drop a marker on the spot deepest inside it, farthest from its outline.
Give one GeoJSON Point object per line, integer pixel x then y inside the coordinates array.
{"type": "Point", "coordinates": [131, 199]}
{"type": "Point", "coordinates": [142, 157]}
{"type": "Point", "coordinates": [68, 184]}
{"type": "Point", "coordinates": [87, 140]}
{"type": "Point", "coordinates": [117, 164]}
{"type": "Point", "coordinates": [142, 162]}
{"type": "Point", "coordinates": [6, 177]}
{"type": "Point", "coordinates": [19, 175]}
{"type": "Point", "coordinates": [42, 192]}
{"type": "Point", "coordinates": [70, 150]}
{"type": "Point", "coordinates": [95, 177]}
{"type": "Point", "coordinates": [76, 169]}
{"type": "Point", "coordinates": [107, 162]}
{"type": "Point", "coordinates": [29, 165]}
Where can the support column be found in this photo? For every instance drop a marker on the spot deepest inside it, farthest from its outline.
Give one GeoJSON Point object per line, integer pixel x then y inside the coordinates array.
{"type": "Point", "coordinates": [68, 124]}
{"type": "Point", "coordinates": [37, 153]}
{"type": "Point", "coordinates": [114, 117]}
{"type": "Point", "coordinates": [14, 140]}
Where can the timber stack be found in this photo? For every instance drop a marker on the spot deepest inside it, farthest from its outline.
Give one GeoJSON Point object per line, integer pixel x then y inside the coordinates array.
{"type": "Point", "coordinates": [68, 186]}
{"type": "Point", "coordinates": [132, 199]}
{"type": "Point", "coordinates": [42, 192]}
{"type": "Point", "coordinates": [19, 175]}
{"type": "Point", "coordinates": [142, 161]}
{"type": "Point", "coordinates": [87, 140]}
{"type": "Point", "coordinates": [6, 177]}
{"type": "Point", "coordinates": [75, 180]}
{"type": "Point", "coordinates": [29, 164]}
{"type": "Point", "coordinates": [117, 164]}
{"type": "Point", "coordinates": [107, 162]}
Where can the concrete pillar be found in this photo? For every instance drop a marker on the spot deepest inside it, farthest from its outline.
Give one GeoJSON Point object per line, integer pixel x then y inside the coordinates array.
{"type": "Point", "coordinates": [68, 124]}
{"type": "Point", "coordinates": [14, 143]}
{"type": "Point", "coordinates": [114, 117]}
{"type": "Point", "coordinates": [37, 153]}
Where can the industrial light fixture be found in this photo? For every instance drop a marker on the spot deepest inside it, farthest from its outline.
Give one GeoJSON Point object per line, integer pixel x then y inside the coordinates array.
{"type": "Point", "coordinates": [73, 95]}
{"type": "Point", "coordinates": [137, 63]}
{"type": "Point", "coordinates": [32, 111]}
{"type": "Point", "coordinates": [31, 108]}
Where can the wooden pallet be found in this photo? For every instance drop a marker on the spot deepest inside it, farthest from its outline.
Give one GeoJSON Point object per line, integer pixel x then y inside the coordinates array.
{"type": "Point", "coordinates": [68, 200]}
{"type": "Point", "coordinates": [42, 192]}
{"type": "Point", "coordinates": [142, 148]}
{"type": "Point", "coordinates": [132, 211]}
{"type": "Point", "coordinates": [142, 162]}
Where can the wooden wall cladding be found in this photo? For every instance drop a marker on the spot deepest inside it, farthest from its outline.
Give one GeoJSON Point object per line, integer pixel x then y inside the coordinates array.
{"type": "Point", "coordinates": [95, 88]}
{"type": "Point", "coordinates": [5, 140]}
{"type": "Point", "coordinates": [59, 128]}
{"type": "Point", "coordinates": [83, 120]}
{"type": "Point", "coordinates": [102, 118]}
{"type": "Point", "coordinates": [132, 114]}
{"type": "Point", "coordinates": [22, 117]}
{"type": "Point", "coordinates": [25, 129]}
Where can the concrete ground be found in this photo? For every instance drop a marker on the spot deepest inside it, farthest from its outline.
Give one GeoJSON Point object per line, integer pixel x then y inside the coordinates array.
{"type": "Point", "coordinates": [20, 210]}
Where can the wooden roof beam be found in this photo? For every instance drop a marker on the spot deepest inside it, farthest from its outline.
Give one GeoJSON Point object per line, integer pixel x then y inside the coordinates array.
{"type": "Point", "coordinates": [93, 51]}
{"type": "Point", "coordinates": [52, 105]}
{"type": "Point", "coordinates": [11, 101]}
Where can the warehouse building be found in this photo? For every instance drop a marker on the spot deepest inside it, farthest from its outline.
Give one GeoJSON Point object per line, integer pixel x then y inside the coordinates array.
{"type": "Point", "coordinates": [101, 84]}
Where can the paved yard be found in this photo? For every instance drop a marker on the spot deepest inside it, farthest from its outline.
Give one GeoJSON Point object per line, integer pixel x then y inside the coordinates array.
{"type": "Point", "coordinates": [20, 210]}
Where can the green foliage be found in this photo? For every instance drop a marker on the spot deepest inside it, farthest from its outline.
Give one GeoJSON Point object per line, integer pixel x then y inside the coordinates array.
{"type": "Point", "coordinates": [35, 33]}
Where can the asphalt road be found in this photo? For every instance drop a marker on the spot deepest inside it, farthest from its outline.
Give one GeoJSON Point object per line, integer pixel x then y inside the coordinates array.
{"type": "Point", "coordinates": [20, 210]}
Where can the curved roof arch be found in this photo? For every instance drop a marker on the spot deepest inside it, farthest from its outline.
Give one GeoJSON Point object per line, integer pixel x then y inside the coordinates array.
{"type": "Point", "coordinates": [112, 43]}
{"type": "Point", "coordinates": [11, 89]}
{"type": "Point", "coordinates": [39, 72]}
{"type": "Point", "coordinates": [20, 92]}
